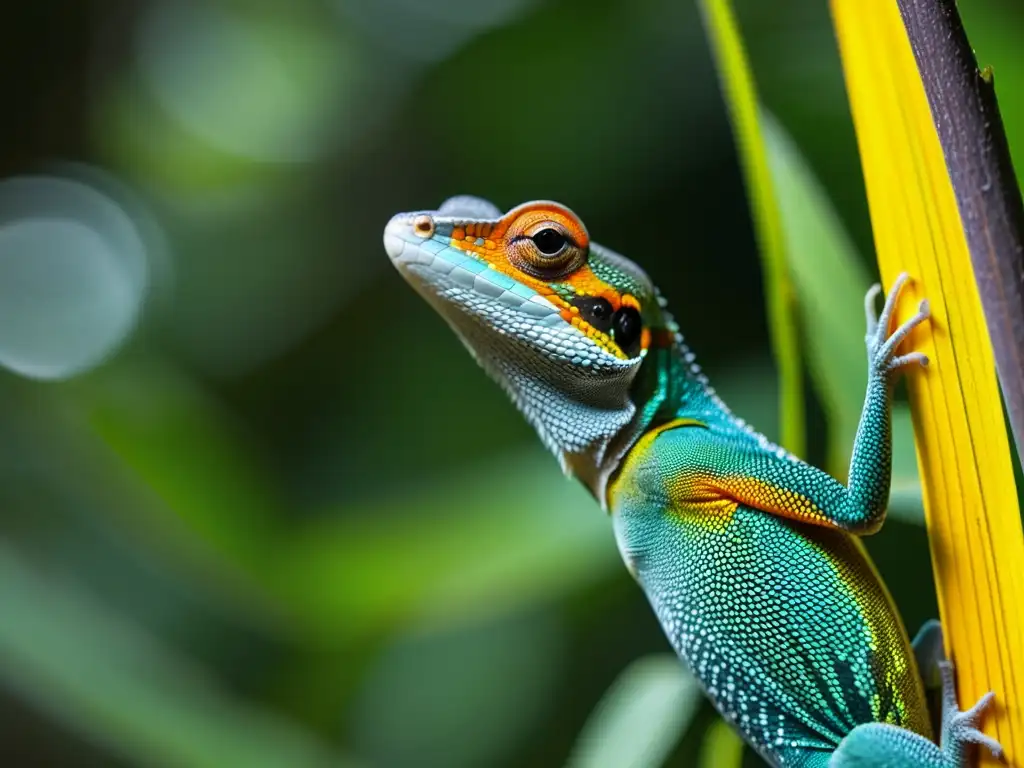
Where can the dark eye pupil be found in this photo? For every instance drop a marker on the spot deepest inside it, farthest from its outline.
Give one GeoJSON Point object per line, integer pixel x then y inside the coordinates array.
{"type": "Point", "coordinates": [549, 241]}
{"type": "Point", "coordinates": [626, 328]}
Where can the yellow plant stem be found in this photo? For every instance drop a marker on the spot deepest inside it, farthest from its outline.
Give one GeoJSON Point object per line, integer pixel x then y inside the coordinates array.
{"type": "Point", "coordinates": [970, 500]}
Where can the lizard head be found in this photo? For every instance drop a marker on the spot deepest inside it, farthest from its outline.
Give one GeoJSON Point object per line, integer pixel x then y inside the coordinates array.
{"type": "Point", "coordinates": [560, 322]}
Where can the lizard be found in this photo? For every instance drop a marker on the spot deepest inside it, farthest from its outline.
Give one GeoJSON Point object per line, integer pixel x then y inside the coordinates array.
{"type": "Point", "coordinates": [750, 557]}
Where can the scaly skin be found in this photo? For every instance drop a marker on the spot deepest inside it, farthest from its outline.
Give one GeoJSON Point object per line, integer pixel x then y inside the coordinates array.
{"type": "Point", "coordinates": [749, 556]}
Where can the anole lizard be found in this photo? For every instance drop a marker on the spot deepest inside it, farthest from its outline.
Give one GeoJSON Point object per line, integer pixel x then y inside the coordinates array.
{"type": "Point", "coordinates": [748, 555]}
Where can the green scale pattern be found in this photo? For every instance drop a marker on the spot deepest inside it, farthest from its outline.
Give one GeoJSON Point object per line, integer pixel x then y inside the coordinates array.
{"type": "Point", "coordinates": [786, 624]}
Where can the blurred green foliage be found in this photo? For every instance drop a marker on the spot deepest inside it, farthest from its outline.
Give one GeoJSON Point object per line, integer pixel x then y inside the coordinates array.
{"type": "Point", "coordinates": [290, 523]}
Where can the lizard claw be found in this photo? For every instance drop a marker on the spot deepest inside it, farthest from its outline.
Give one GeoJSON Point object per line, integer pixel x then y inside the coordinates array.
{"type": "Point", "coordinates": [869, 308]}
{"type": "Point", "coordinates": [965, 725]}
{"type": "Point", "coordinates": [881, 345]}
{"type": "Point", "coordinates": [961, 728]}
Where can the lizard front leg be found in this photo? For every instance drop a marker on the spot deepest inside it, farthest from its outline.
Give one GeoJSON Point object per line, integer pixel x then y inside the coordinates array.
{"type": "Point", "coordinates": [735, 467]}
{"type": "Point", "coordinates": [870, 465]}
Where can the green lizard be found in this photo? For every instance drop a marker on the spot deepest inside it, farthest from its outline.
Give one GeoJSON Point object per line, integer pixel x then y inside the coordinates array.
{"type": "Point", "coordinates": [749, 556]}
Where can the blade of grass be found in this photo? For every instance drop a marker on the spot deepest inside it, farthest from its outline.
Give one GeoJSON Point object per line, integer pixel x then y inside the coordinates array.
{"type": "Point", "coordinates": [830, 283]}
{"type": "Point", "coordinates": [806, 237]}
{"type": "Point", "coordinates": [808, 242]}
{"type": "Point", "coordinates": [963, 451]}
{"type": "Point", "coordinates": [740, 96]}
{"type": "Point", "coordinates": [905, 502]}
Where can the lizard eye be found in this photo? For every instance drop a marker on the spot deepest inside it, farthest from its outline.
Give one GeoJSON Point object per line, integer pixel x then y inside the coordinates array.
{"type": "Point", "coordinates": [626, 330]}
{"type": "Point", "coordinates": [546, 250]}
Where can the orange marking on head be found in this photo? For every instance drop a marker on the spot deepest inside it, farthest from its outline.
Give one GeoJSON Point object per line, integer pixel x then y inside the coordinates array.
{"type": "Point", "coordinates": [516, 223]}
{"type": "Point", "coordinates": [522, 217]}
{"type": "Point", "coordinates": [523, 222]}
{"type": "Point", "coordinates": [586, 283]}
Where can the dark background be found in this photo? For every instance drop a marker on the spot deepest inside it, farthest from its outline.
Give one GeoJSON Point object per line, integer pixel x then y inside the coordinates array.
{"type": "Point", "coordinates": [278, 517]}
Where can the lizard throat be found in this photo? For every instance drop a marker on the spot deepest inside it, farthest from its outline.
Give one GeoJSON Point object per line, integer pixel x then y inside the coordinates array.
{"type": "Point", "coordinates": [580, 413]}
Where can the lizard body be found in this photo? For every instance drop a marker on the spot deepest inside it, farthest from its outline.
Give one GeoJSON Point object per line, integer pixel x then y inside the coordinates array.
{"type": "Point", "coordinates": [748, 555]}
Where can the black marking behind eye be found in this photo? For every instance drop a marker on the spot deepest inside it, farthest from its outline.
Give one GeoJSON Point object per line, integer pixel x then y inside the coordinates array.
{"type": "Point", "coordinates": [549, 241]}
{"type": "Point", "coordinates": [596, 311]}
{"type": "Point", "coordinates": [626, 330]}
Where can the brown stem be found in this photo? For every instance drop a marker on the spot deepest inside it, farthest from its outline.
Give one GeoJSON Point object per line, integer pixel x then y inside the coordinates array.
{"type": "Point", "coordinates": [967, 119]}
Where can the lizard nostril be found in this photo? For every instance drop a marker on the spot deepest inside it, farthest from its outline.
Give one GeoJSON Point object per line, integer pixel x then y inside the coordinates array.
{"type": "Point", "coordinates": [423, 226]}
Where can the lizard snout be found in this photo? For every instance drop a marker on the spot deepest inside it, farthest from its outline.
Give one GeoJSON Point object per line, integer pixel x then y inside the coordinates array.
{"type": "Point", "coordinates": [405, 230]}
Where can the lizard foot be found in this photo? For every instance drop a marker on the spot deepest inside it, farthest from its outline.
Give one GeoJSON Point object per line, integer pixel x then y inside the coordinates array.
{"type": "Point", "coordinates": [881, 345]}
{"type": "Point", "coordinates": [880, 745]}
{"type": "Point", "coordinates": [960, 729]}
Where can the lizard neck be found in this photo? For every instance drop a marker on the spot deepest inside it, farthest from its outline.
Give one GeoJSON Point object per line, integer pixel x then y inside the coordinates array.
{"type": "Point", "coordinates": [669, 385]}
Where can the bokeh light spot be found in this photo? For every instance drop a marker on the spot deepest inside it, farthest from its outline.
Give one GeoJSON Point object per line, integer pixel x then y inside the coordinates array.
{"type": "Point", "coordinates": [429, 30]}
{"type": "Point", "coordinates": [269, 89]}
{"type": "Point", "coordinates": [73, 275]}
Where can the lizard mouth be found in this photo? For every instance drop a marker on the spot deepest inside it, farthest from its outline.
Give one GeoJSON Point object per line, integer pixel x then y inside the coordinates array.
{"type": "Point", "coordinates": [426, 257]}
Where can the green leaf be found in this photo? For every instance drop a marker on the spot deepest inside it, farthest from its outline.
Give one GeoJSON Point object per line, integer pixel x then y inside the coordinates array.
{"type": "Point", "coordinates": [119, 686]}
{"type": "Point", "coordinates": [476, 543]}
{"type": "Point", "coordinates": [140, 455]}
{"type": "Point", "coordinates": [641, 717]}
{"type": "Point", "coordinates": [457, 697]}
{"type": "Point", "coordinates": [830, 283]}
{"type": "Point", "coordinates": [182, 449]}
